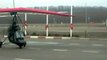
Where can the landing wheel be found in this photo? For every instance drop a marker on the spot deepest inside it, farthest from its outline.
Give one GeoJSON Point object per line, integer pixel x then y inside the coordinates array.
{"type": "Point", "coordinates": [22, 45]}
{"type": "Point", "coordinates": [1, 43]}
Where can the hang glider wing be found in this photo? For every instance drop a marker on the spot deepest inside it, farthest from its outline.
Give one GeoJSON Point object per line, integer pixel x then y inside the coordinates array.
{"type": "Point", "coordinates": [33, 10]}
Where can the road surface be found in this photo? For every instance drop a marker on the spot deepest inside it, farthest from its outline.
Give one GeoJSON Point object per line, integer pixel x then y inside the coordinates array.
{"type": "Point", "coordinates": [56, 49]}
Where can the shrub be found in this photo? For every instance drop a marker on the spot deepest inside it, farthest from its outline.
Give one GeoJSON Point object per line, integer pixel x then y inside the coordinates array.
{"type": "Point", "coordinates": [33, 34]}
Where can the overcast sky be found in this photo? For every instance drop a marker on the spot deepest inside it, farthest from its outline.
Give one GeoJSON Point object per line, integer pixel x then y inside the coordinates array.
{"type": "Point", "coordinates": [32, 3]}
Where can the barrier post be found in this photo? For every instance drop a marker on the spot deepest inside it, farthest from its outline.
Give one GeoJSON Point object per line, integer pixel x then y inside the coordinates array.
{"type": "Point", "coordinates": [25, 24]}
{"type": "Point", "coordinates": [46, 26]}
{"type": "Point", "coordinates": [71, 23]}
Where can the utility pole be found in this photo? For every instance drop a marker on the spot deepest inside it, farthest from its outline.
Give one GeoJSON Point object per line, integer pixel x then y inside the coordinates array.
{"type": "Point", "coordinates": [86, 20]}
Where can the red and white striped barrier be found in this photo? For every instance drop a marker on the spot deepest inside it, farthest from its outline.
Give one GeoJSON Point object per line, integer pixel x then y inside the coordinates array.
{"type": "Point", "coordinates": [44, 37]}
{"type": "Point", "coordinates": [67, 38]}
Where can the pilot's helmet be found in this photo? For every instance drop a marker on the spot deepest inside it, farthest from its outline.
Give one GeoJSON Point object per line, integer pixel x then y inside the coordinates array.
{"type": "Point", "coordinates": [17, 28]}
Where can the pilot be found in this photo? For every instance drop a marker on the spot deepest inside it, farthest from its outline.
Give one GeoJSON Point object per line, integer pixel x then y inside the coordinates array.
{"type": "Point", "coordinates": [19, 34]}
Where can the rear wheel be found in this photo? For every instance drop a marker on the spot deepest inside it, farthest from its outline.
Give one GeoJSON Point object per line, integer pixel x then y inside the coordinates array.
{"type": "Point", "coordinates": [25, 44]}
{"type": "Point", "coordinates": [1, 44]}
{"type": "Point", "coordinates": [22, 45]}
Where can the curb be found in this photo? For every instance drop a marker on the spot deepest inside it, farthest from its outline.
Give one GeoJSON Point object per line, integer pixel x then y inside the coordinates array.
{"type": "Point", "coordinates": [68, 38]}
{"type": "Point", "coordinates": [44, 37]}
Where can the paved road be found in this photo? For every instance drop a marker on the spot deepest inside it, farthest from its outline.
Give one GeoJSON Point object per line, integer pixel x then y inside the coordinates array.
{"type": "Point", "coordinates": [40, 49]}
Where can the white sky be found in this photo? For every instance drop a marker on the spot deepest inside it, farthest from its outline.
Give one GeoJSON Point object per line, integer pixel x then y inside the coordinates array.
{"type": "Point", "coordinates": [32, 3]}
